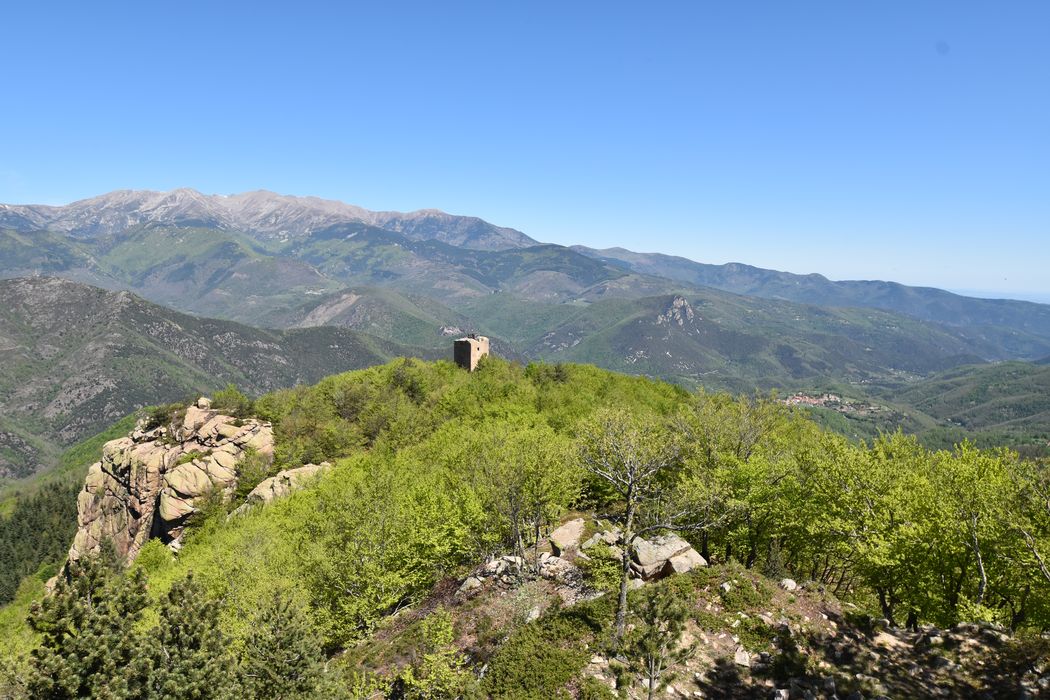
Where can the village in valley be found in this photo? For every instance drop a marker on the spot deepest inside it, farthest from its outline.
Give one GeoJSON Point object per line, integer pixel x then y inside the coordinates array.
{"type": "Point", "coordinates": [833, 402]}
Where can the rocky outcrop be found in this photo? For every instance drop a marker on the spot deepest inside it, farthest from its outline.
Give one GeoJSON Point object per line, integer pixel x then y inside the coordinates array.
{"type": "Point", "coordinates": [678, 312]}
{"type": "Point", "coordinates": [663, 556]}
{"type": "Point", "coordinates": [505, 573]}
{"type": "Point", "coordinates": [148, 484]}
{"type": "Point", "coordinates": [280, 485]}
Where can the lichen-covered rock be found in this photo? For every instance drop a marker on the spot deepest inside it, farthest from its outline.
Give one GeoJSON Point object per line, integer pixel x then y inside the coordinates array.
{"type": "Point", "coordinates": [663, 556]}
{"type": "Point", "coordinates": [146, 484]}
{"type": "Point", "coordinates": [281, 484]}
{"type": "Point", "coordinates": [567, 536]}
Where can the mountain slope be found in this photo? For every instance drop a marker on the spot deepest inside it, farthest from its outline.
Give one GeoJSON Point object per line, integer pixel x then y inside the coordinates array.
{"type": "Point", "coordinates": [991, 318]}
{"type": "Point", "coordinates": [73, 359]}
{"type": "Point", "coordinates": [1010, 396]}
{"type": "Point", "coordinates": [728, 341]}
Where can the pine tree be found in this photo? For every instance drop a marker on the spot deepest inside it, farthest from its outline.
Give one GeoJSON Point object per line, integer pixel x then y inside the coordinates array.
{"type": "Point", "coordinates": [90, 645]}
{"type": "Point", "coordinates": [441, 672]}
{"type": "Point", "coordinates": [283, 656]}
{"type": "Point", "coordinates": [190, 652]}
{"type": "Point", "coordinates": [655, 643]}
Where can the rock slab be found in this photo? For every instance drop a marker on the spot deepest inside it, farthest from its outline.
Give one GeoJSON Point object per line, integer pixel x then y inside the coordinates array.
{"type": "Point", "coordinates": [281, 484]}
{"type": "Point", "coordinates": [663, 556]}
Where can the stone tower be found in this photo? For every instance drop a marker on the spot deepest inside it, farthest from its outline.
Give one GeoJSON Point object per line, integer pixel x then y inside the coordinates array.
{"type": "Point", "coordinates": [467, 351]}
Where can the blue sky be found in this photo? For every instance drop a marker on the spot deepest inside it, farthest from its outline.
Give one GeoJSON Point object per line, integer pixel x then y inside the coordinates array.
{"type": "Point", "coordinates": [891, 140]}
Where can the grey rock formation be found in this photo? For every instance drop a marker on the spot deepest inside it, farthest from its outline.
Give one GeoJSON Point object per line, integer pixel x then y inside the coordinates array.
{"type": "Point", "coordinates": [147, 484]}
{"type": "Point", "coordinates": [663, 556]}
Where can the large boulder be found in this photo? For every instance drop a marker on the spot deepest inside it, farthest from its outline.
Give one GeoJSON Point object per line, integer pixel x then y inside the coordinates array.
{"type": "Point", "coordinates": [663, 556]}
{"type": "Point", "coordinates": [659, 549]}
{"type": "Point", "coordinates": [567, 536]}
{"type": "Point", "coordinates": [684, 562]}
{"type": "Point", "coordinates": [281, 484]}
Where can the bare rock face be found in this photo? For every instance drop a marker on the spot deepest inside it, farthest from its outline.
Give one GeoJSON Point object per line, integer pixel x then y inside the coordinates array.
{"type": "Point", "coordinates": [147, 484]}
{"type": "Point", "coordinates": [679, 312]}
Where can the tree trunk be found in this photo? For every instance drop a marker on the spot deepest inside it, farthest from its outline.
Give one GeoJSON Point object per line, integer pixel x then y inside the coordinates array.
{"type": "Point", "coordinates": [982, 587]}
{"type": "Point", "coordinates": [625, 571]}
{"type": "Point", "coordinates": [886, 603]}
{"type": "Point", "coordinates": [536, 549]}
{"type": "Point", "coordinates": [752, 545]}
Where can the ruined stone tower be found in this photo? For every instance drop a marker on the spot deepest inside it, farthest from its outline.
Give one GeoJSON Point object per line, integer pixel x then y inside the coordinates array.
{"type": "Point", "coordinates": [468, 351]}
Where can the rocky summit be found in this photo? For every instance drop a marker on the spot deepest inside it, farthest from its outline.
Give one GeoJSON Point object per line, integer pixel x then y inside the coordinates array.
{"type": "Point", "coordinates": [149, 483]}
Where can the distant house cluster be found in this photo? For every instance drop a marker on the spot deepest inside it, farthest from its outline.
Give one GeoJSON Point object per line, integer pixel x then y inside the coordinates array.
{"type": "Point", "coordinates": [833, 402]}
{"type": "Point", "coordinates": [801, 399]}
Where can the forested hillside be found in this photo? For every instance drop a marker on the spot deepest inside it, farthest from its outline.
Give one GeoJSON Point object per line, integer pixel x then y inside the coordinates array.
{"type": "Point", "coordinates": [926, 303]}
{"type": "Point", "coordinates": [74, 359]}
{"type": "Point", "coordinates": [348, 587]}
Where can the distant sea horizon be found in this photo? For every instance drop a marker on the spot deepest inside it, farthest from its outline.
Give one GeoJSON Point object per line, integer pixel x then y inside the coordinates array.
{"type": "Point", "coordinates": [1037, 297]}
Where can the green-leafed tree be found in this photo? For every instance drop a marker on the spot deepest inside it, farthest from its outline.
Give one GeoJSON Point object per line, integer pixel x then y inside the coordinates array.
{"type": "Point", "coordinates": [740, 458]}
{"type": "Point", "coordinates": [635, 456]}
{"type": "Point", "coordinates": [232, 402]}
{"type": "Point", "coordinates": [526, 476]}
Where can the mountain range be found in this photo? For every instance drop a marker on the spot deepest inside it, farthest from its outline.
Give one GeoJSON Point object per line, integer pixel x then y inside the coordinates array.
{"type": "Point", "coordinates": [926, 303]}
{"type": "Point", "coordinates": [265, 215]}
{"type": "Point", "coordinates": [387, 283]}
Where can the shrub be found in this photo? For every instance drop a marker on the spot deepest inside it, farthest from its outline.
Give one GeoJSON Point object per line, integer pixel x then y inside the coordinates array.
{"type": "Point", "coordinates": [593, 689]}
{"type": "Point", "coordinates": [232, 402]}
{"type": "Point", "coordinates": [154, 557]}
{"type": "Point", "coordinates": [541, 659]}
{"type": "Point", "coordinates": [251, 471]}
{"type": "Point", "coordinates": [602, 570]}
{"type": "Point", "coordinates": [160, 416]}
{"type": "Point", "coordinates": [745, 594]}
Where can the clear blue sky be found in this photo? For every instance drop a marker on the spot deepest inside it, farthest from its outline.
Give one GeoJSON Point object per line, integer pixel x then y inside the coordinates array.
{"type": "Point", "coordinates": [902, 140]}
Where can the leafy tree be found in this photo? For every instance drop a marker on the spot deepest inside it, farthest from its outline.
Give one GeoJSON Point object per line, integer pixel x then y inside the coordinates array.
{"type": "Point", "coordinates": [739, 457]}
{"type": "Point", "coordinates": [232, 402]}
{"type": "Point", "coordinates": [525, 473]}
{"type": "Point", "coordinates": [632, 454]}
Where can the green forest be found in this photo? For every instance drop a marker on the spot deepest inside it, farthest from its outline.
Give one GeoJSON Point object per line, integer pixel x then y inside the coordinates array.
{"type": "Point", "coordinates": [437, 470]}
